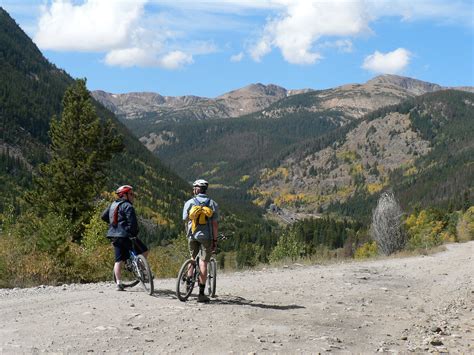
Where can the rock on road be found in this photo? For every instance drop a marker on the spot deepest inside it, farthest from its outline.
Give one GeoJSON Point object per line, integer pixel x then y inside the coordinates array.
{"type": "Point", "coordinates": [421, 304]}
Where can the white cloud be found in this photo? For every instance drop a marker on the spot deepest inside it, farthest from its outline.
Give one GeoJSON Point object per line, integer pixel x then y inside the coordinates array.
{"type": "Point", "coordinates": [130, 57]}
{"type": "Point", "coordinates": [120, 29]}
{"type": "Point", "coordinates": [95, 25]}
{"type": "Point", "coordinates": [342, 45]}
{"type": "Point", "coordinates": [175, 60]}
{"type": "Point", "coordinates": [237, 57]}
{"type": "Point", "coordinates": [387, 63]}
{"type": "Point", "coordinates": [296, 31]}
{"type": "Point", "coordinates": [130, 34]}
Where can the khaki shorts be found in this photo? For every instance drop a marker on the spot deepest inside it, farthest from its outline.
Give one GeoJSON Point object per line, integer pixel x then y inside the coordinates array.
{"type": "Point", "coordinates": [204, 246]}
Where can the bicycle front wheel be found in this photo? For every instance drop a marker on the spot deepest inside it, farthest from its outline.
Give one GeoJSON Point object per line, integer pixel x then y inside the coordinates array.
{"type": "Point", "coordinates": [145, 275]}
{"type": "Point", "coordinates": [184, 283]}
{"type": "Point", "coordinates": [211, 277]}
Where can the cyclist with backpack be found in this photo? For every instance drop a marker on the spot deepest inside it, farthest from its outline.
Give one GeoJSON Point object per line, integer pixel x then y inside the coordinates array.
{"type": "Point", "coordinates": [200, 215]}
{"type": "Point", "coordinates": [123, 225]}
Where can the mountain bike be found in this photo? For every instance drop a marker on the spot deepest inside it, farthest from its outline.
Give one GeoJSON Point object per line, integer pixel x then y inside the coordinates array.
{"type": "Point", "coordinates": [185, 284]}
{"type": "Point", "coordinates": [136, 270]}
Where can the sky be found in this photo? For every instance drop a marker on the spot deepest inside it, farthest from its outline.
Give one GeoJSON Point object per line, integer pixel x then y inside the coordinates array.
{"type": "Point", "coordinates": [207, 48]}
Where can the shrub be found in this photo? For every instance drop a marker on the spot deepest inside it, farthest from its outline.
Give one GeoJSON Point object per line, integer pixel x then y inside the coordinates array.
{"type": "Point", "coordinates": [427, 229]}
{"type": "Point", "coordinates": [465, 226]}
{"type": "Point", "coordinates": [166, 261]}
{"type": "Point", "coordinates": [366, 250]}
{"type": "Point", "coordinates": [288, 246]}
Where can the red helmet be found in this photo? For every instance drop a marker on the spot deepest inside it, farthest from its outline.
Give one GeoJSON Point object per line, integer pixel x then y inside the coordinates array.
{"type": "Point", "coordinates": [122, 190]}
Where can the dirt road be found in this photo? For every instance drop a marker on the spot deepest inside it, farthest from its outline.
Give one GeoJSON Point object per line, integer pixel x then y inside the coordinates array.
{"type": "Point", "coordinates": [421, 304]}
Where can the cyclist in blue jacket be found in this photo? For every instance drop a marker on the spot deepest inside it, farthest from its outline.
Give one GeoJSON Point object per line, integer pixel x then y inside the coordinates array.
{"type": "Point", "coordinates": [123, 225]}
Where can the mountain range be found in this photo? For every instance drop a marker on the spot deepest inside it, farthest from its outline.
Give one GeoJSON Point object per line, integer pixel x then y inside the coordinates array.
{"type": "Point", "coordinates": [305, 151]}
{"type": "Point", "coordinates": [308, 150]}
{"type": "Point", "coordinates": [153, 106]}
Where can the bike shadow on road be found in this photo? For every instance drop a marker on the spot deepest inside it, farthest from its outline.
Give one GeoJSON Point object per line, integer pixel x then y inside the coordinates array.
{"type": "Point", "coordinates": [241, 301]}
{"type": "Point", "coordinates": [229, 300]}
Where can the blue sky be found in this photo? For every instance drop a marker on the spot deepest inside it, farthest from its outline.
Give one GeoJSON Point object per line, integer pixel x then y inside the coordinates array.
{"type": "Point", "coordinates": [207, 48]}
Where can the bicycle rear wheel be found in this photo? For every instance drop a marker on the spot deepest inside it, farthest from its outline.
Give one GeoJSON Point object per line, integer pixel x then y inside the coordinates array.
{"type": "Point", "coordinates": [144, 274]}
{"type": "Point", "coordinates": [211, 277]}
{"type": "Point", "coordinates": [128, 278]}
{"type": "Point", "coordinates": [184, 283]}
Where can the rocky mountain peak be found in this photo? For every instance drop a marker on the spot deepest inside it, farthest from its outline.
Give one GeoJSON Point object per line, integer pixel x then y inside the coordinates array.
{"type": "Point", "coordinates": [413, 86]}
{"type": "Point", "coordinates": [256, 90]}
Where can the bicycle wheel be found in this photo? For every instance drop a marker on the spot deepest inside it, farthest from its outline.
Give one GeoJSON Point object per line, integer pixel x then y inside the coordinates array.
{"type": "Point", "coordinates": [211, 277]}
{"type": "Point", "coordinates": [185, 284]}
{"type": "Point", "coordinates": [144, 274]}
{"type": "Point", "coordinates": [128, 278]}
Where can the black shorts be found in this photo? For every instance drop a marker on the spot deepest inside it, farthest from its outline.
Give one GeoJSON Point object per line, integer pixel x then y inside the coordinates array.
{"type": "Point", "coordinates": [122, 247]}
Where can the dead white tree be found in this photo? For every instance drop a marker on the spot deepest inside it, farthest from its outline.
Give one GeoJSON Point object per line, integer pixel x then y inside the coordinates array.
{"type": "Point", "coordinates": [387, 228]}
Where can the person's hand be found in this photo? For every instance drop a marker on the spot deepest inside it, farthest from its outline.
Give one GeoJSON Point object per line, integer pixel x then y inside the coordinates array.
{"type": "Point", "coordinates": [214, 246]}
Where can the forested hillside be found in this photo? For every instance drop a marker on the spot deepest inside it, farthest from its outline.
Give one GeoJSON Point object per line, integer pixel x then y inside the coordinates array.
{"type": "Point", "coordinates": [420, 148]}
{"type": "Point", "coordinates": [31, 92]}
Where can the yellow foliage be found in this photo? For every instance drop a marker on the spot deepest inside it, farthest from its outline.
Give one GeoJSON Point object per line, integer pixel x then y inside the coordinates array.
{"type": "Point", "coordinates": [212, 172]}
{"type": "Point", "coordinates": [345, 191]}
{"type": "Point", "coordinates": [425, 231]}
{"type": "Point", "coordinates": [465, 227]}
{"type": "Point", "coordinates": [244, 178]}
{"type": "Point", "coordinates": [374, 188]}
{"type": "Point", "coordinates": [347, 156]}
{"type": "Point", "coordinates": [288, 199]}
{"type": "Point", "coordinates": [268, 174]}
{"type": "Point", "coordinates": [356, 169]}
{"type": "Point", "coordinates": [366, 250]}
{"type": "Point", "coordinates": [410, 171]}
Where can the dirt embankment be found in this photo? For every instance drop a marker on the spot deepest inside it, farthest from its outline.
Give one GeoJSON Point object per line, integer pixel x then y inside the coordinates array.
{"type": "Point", "coordinates": [420, 304]}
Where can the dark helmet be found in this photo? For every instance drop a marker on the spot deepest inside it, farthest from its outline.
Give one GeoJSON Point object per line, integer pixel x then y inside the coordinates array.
{"type": "Point", "coordinates": [122, 190]}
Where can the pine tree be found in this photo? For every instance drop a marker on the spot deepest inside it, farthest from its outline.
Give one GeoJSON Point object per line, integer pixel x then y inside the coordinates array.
{"type": "Point", "coordinates": [81, 146]}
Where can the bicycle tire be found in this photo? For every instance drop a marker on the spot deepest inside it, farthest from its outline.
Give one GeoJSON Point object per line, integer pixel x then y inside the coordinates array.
{"type": "Point", "coordinates": [211, 277]}
{"type": "Point", "coordinates": [184, 286]}
{"type": "Point", "coordinates": [128, 279]}
{"type": "Point", "coordinates": [144, 274]}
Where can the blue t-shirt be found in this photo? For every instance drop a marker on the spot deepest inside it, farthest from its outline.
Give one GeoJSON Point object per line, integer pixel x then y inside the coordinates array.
{"type": "Point", "coordinates": [203, 231]}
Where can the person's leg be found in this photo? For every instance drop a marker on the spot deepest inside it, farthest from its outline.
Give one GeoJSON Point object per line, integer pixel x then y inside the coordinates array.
{"type": "Point", "coordinates": [193, 251]}
{"type": "Point", "coordinates": [205, 257]}
{"type": "Point", "coordinates": [141, 248]}
{"type": "Point", "coordinates": [118, 271]}
{"type": "Point", "coordinates": [203, 268]}
{"type": "Point", "coordinates": [121, 248]}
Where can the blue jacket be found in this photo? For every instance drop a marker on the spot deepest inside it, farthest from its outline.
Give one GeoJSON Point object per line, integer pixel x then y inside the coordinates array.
{"type": "Point", "coordinates": [127, 224]}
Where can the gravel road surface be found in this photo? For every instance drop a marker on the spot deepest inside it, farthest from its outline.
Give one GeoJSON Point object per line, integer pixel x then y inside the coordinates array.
{"type": "Point", "coordinates": [420, 304]}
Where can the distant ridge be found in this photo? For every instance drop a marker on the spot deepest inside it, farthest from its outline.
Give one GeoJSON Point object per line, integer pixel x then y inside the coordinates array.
{"type": "Point", "coordinates": [246, 100]}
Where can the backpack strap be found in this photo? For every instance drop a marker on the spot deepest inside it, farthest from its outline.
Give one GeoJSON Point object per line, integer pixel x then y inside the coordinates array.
{"type": "Point", "coordinates": [205, 203]}
{"type": "Point", "coordinates": [115, 220]}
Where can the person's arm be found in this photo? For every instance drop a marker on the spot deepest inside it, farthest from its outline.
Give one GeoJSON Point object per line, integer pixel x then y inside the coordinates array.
{"type": "Point", "coordinates": [185, 217]}
{"type": "Point", "coordinates": [105, 215]}
{"type": "Point", "coordinates": [215, 227]}
{"type": "Point", "coordinates": [131, 223]}
{"type": "Point", "coordinates": [214, 235]}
